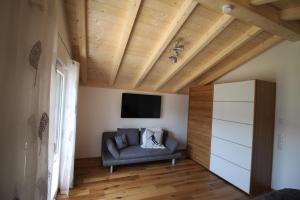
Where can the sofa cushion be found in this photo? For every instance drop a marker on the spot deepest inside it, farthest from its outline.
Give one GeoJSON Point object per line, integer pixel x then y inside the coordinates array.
{"type": "Point", "coordinates": [171, 144]}
{"type": "Point", "coordinates": [108, 159]}
{"type": "Point", "coordinates": [152, 139]}
{"type": "Point", "coordinates": [164, 136]}
{"type": "Point", "coordinates": [121, 141]}
{"type": "Point", "coordinates": [132, 134]}
{"type": "Point", "coordinates": [112, 148]}
{"type": "Point", "coordinates": [137, 152]}
{"type": "Point", "coordinates": [157, 132]}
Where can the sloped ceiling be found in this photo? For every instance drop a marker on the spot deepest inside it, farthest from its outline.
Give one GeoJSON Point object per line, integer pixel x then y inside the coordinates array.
{"type": "Point", "coordinates": [126, 44]}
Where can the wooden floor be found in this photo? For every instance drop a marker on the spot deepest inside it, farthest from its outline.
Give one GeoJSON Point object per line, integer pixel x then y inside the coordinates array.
{"type": "Point", "coordinates": [159, 180]}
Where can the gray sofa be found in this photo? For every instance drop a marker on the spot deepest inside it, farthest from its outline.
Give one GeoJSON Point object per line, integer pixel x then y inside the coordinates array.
{"type": "Point", "coordinates": [112, 156]}
{"type": "Point", "coordinates": [283, 194]}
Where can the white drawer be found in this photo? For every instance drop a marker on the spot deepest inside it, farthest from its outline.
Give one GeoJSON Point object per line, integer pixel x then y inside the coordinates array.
{"type": "Point", "coordinates": [235, 132]}
{"type": "Point", "coordinates": [241, 112]}
{"type": "Point", "coordinates": [231, 173]}
{"type": "Point", "coordinates": [238, 91]}
{"type": "Point", "coordinates": [237, 154]}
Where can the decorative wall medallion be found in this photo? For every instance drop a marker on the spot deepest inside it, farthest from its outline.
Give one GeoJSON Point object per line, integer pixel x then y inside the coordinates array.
{"type": "Point", "coordinates": [34, 57]}
{"type": "Point", "coordinates": [43, 124]}
{"type": "Point", "coordinates": [44, 121]}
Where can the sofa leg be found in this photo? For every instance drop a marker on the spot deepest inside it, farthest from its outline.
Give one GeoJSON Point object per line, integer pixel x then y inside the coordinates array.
{"type": "Point", "coordinates": [173, 162]}
{"type": "Point", "coordinates": [111, 169]}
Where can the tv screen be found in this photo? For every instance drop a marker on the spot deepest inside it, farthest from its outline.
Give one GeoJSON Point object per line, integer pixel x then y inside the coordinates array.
{"type": "Point", "coordinates": [140, 106]}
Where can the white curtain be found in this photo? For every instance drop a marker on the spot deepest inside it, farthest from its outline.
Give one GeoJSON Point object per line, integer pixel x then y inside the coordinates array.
{"type": "Point", "coordinates": [69, 129]}
{"type": "Point", "coordinates": [24, 97]}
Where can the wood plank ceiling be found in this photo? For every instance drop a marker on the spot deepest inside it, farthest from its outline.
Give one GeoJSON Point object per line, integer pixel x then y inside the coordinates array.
{"type": "Point", "coordinates": [126, 44]}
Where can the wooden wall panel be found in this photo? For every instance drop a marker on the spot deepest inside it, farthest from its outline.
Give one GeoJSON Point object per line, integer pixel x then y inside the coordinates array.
{"type": "Point", "coordinates": [263, 137]}
{"type": "Point", "coordinates": [199, 124]}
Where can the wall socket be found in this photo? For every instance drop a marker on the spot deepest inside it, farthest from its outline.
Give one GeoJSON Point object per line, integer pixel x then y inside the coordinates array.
{"type": "Point", "coordinates": [281, 135]}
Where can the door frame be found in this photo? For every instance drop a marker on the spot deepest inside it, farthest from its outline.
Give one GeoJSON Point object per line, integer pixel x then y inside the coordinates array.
{"type": "Point", "coordinates": [59, 71]}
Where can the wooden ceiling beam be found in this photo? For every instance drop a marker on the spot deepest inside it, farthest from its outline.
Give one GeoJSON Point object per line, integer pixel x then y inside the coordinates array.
{"type": "Point", "coordinates": [261, 2]}
{"type": "Point", "coordinates": [249, 34]}
{"type": "Point", "coordinates": [128, 26]}
{"type": "Point", "coordinates": [218, 72]}
{"type": "Point", "coordinates": [290, 13]}
{"type": "Point", "coordinates": [81, 16]}
{"type": "Point", "coordinates": [211, 34]}
{"type": "Point", "coordinates": [184, 12]}
{"type": "Point", "coordinates": [267, 18]}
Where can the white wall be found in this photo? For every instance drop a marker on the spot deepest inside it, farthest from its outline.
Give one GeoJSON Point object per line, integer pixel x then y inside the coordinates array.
{"type": "Point", "coordinates": [282, 65]}
{"type": "Point", "coordinates": [99, 110]}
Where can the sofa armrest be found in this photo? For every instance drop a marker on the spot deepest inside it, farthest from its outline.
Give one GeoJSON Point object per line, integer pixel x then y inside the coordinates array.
{"type": "Point", "coordinates": [111, 146]}
{"type": "Point", "coordinates": [171, 143]}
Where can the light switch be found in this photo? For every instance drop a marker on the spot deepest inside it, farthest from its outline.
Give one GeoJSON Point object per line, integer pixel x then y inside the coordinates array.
{"type": "Point", "coordinates": [280, 141]}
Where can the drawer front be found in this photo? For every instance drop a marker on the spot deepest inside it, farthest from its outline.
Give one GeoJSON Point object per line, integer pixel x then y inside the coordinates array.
{"type": "Point", "coordinates": [239, 91]}
{"type": "Point", "coordinates": [241, 112]}
{"type": "Point", "coordinates": [235, 132]}
{"type": "Point", "coordinates": [237, 154]}
{"type": "Point", "coordinates": [231, 173]}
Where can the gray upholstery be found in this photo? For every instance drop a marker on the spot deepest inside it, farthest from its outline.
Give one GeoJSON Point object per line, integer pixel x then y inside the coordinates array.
{"type": "Point", "coordinates": [108, 159]}
{"type": "Point", "coordinates": [132, 134]}
{"type": "Point", "coordinates": [171, 144]}
{"type": "Point", "coordinates": [106, 136]}
{"type": "Point", "coordinates": [134, 153]}
{"type": "Point", "coordinates": [121, 141]}
{"type": "Point", "coordinates": [137, 152]}
{"type": "Point", "coordinates": [111, 146]}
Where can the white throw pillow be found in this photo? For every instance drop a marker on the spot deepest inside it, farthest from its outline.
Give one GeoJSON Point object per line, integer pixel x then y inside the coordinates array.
{"type": "Point", "coordinates": [152, 138]}
{"type": "Point", "coordinates": [158, 133]}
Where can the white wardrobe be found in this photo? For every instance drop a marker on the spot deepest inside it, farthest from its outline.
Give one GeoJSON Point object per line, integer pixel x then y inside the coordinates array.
{"type": "Point", "coordinates": [242, 128]}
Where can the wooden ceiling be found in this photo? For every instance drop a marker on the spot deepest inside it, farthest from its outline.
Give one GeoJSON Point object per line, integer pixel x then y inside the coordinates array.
{"type": "Point", "coordinates": [126, 44]}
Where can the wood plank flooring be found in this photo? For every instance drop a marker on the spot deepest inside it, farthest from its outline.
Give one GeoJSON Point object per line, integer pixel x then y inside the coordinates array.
{"type": "Point", "coordinates": [158, 180]}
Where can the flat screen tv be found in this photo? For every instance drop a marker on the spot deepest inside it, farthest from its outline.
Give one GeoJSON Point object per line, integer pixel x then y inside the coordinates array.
{"type": "Point", "coordinates": [140, 106]}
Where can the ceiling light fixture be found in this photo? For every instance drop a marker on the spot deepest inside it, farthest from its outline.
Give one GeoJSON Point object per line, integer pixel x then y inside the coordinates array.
{"type": "Point", "coordinates": [178, 48]}
{"type": "Point", "coordinates": [227, 8]}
